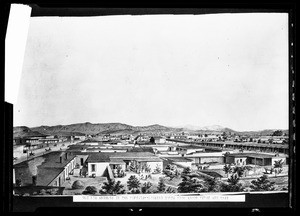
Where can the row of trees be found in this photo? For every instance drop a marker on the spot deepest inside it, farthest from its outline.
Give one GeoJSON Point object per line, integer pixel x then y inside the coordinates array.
{"type": "Point", "coordinates": [143, 168]}
{"type": "Point", "coordinates": [134, 186]}
{"type": "Point", "coordinates": [192, 184]}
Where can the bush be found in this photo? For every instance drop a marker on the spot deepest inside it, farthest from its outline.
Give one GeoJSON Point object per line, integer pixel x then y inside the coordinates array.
{"type": "Point", "coordinates": [42, 192]}
{"type": "Point", "coordinates": [77, 184]}
{"type": "Point", "coordinates": [52, 191]}
{"type": "Point", "coordinates": [90, 190]}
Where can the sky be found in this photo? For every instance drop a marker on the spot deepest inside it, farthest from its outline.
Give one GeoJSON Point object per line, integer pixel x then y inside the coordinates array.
{"type": "Point", "coordinates": [174, 70]}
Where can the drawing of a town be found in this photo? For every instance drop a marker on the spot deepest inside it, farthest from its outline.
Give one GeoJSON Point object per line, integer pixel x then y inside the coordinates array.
{"type": "Point", "coordinates": [164, 104]}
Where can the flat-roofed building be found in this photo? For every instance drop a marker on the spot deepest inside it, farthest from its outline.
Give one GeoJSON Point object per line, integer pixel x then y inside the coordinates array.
{"type": "Point", "coordinates": [50, 169]}
{"type": "Point", "coordinates": [100, 164]}
{"type": "Point", "coordinates": [254, 158]}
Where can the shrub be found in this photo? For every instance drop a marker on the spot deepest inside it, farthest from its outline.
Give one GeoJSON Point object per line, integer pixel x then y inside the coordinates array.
{"type": "Point", "coordinates": [262, 184]}
{"type": "Point", "coordinates": [112, 187]}
{"type": "Point", "coordinates": [146, 187]}
{"type": "Point", "coordinates": [170, 190]}
{"type": "Point", "coordinates": [77, 184]}
{"type": "Point", "coordinates": [52, 191]}
{"type": "Point", "coordinates": [42, 192]}
{"type": "Point", "coordinates": [90, 190]}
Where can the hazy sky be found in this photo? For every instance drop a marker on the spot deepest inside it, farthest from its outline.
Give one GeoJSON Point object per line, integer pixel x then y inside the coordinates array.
{"type": "Point", "coordinates": [174, 70]}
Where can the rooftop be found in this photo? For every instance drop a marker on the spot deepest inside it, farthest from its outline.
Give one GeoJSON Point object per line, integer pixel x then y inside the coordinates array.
{"type": "Point", "coordinates": [47, 167]}
{"type": "Point", "coordinates": [99, 157]}
{"type": "Point", "coordinates": [211, 173]}
{"type": "Point", "coordinates": [178, 159]}
{"type": "Point", "coordinates": [253, 155]}
{"type": "Point", "coordinates": [190, 147]}
{"type": "Point", "coordinates": [107, 156]}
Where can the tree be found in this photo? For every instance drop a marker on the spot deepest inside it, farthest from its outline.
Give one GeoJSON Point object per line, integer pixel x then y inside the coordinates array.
{"type": "Point", "coordinates": [146, 186]}
{"type": "Point", "coordinates": [232, 185]}
{"type": "Point", "coordinates": [238, 170]}
{"type": "Point", "coordinates": [170, 190]}
{"type": "Point", "coordinates": [210, 185]}
{"type": "Point", "coordinates": [171, 171]}
{"type": "Point", "coordinates": [277, 133]}
{"type": "Point", "coordinates": [132, 167]}
{"type": "Point", "coordinates": [186, 172]}
{"type": "Point", "coordinates": [190, 185]}
{"type": "Point", "coordinates": [112, 187]}
{"type": "Point", "coordinates": [133, 184]}
{"type": "Point", "coordinates": [152, 140]}
{"type": "Point", "coordinates": [227, 169]}
{"type": "Point", "coordinates": [157, 169]}
{"type": "Point", "coordinates": [262, 184]}
{"type": "Point", "coordinates": [278, 166]}
{"type": "Point", "coordinates": [146, 168]}
{"type": "Point", "coordinates": [161, 185]}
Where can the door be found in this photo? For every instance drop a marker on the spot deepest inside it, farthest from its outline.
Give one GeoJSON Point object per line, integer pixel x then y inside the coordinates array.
{"type": "Point", "coordinates": [81, 161]}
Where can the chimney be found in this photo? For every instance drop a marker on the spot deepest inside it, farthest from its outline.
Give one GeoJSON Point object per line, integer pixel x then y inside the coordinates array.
{"type": "Point", "coordinates": [60, 159]}
{"type": "Point", "coordinates": [34, 178]}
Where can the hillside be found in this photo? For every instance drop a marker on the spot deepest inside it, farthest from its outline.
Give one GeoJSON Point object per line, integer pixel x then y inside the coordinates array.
{"type": "Point", "coordinates": [103, 128]}
{"type": "Point", "coordinates": [22, 131]}
{"type": "Point", "coordinates": [119, 128]}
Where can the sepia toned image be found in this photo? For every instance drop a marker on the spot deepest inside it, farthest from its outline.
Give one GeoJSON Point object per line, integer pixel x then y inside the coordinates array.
{"type": "Point", "coordinates": [170, 105]}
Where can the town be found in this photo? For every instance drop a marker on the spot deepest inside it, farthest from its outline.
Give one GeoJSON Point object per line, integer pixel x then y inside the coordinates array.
{"type": "Point", "coordinates": [160, 162]}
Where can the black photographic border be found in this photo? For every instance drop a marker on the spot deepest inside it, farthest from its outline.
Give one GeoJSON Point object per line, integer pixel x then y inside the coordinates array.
{"type": "Point", "coordinates": [259, 204]}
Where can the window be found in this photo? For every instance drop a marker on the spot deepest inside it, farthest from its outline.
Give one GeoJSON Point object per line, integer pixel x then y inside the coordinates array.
{"type": "Point", "coordinates": [93, 168]}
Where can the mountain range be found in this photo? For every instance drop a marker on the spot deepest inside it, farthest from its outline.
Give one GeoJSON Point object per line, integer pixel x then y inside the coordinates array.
{"type": "Point", "coordinates": [119, 128]}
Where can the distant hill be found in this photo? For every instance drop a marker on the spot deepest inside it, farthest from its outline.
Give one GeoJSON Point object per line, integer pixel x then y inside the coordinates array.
{"type": "Point", "coordinates": [22, 131]}
{"type": "Point", "coordinates": [103, 128]}
{"type": "Point", "coordinates": [119, 128]}
{"type": "Point", "coordinates": [267, 132]}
